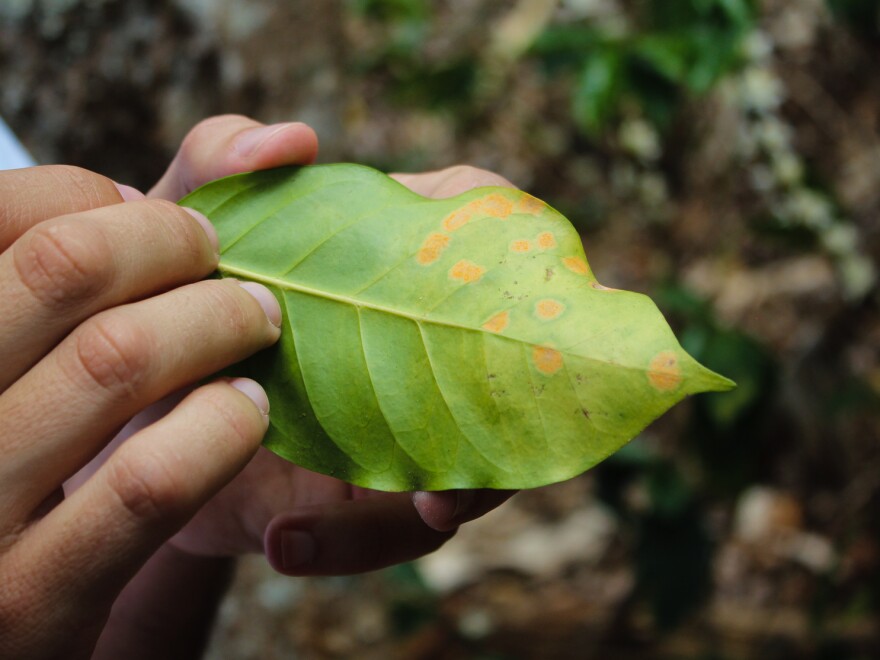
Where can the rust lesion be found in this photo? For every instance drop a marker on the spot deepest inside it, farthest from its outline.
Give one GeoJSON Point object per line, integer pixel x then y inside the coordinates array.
{"type": "Point", "coordinates": [520, 245]}
{"type": "Point", "coordinates": [432, 248]}
{"type": "Point", "coordinates": [498, 323]}
{"type": "Point", "coordinates": [548, 309]}
{"type": "Point", "coordinates": [664, 371]}
{"type": "Point", "coordinates": [466, 271]}
{"type": "Point", "coordinates": [546, 240]}
{"type": "Point", "coordinates": [576, 265]}
{"type": "Point", "coordinates": [547, 360]}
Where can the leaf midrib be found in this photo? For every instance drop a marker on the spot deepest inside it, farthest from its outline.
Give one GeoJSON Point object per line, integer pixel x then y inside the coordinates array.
{"type": "Point", "coordinates": [319, 293]}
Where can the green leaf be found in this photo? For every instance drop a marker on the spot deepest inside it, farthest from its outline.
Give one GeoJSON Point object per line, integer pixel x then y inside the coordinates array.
{"type": "Point", "coordinates": [597, 90]}
{"type": "Point", "coordinates": [436, 344]}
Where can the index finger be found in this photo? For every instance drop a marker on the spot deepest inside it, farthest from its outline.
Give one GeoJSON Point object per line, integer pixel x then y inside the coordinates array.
{"type": "Point", "coordinates": [34, 194]}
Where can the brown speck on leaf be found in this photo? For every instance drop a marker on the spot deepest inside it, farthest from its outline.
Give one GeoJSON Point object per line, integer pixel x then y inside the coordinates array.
{"type": "Point", "coordinates": [548, 274]}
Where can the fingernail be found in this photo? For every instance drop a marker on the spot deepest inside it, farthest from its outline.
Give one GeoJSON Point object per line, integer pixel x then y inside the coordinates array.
{"type": "Point", "coordinates": [266, 299]}
{"type": "Point", "coordinates": [253, 391]}
{"type": "Point", "coordinates": [128, 193]}
{"type": "Point", "coordinates": [252, 139]}
{"type": "Point", "coordinates": [206, 225]}
{"type": "Point", "coordinates": [297, 548]}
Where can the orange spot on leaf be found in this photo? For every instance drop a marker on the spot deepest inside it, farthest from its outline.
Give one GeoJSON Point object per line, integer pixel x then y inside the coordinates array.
{"type": "Point", "coordinates": [547, 360]}
{"type": "Point", "coordinates": [466, 271]}
{"type": "Point", "coordinates": [530, 205]}
{"type": "Point", "coordinates": [520, 245]}
{"type": "Point", "coordinates": [664, 373]}
{"type": "Point", "coordinates": [498, 322]}
{"type": "Point", "coordinates": [576, 265]}
{"type": "Point", "coordinates": [432, 248]}
{"type": "Point", "coordinates": [546, 241]}
{"type": "Point", "coordinates": [494, 205]}
{"type": "Point", "coordinates": [457, 219]}
{"type": "Point", "coordinates": [548, 309]}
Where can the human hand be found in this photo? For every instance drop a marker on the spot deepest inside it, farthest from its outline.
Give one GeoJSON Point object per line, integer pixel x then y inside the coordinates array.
{"type": "Point", "coordinates": [104, 314]}
{"type": "Point", "coordinates": [308, 523]}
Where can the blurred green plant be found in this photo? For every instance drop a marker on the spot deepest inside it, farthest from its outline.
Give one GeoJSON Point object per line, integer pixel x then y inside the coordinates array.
{"type": "Point", "coordinates": [415, 79]}
{"type": "Point", "coordinates": [675, 49]}
{"type": "Point", "coordinates": [863, 16]}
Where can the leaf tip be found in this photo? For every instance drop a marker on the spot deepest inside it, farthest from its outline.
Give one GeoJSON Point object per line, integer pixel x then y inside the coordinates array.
{"type": "Point", "coordinates": [709, 381]}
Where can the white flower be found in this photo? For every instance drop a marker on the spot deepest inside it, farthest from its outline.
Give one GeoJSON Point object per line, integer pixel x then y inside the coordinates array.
{"type": "Point", "coordinates": [840, 239]}
{"type": "Point", "coordinates": [773, 134]}
{"type": "Point", "coordinates": [858, 275]}
{"type": "Point", "coordinates": [640, 139]}
{"type": "Point", "coordinates": [757, 46]}
{"type": "Point", "coordinates": [760, 90]}
{"type": "Point", "coordinates": [809, 208]}
{"type": "Point", "coordinates": [788, 168]}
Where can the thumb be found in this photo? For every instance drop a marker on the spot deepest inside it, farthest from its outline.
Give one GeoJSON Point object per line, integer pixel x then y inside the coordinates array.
{"type": "Point", "coordinates": [230, 144]}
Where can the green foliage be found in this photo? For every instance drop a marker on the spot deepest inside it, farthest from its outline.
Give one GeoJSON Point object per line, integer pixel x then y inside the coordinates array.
{"type": "Point", "coordinates": [435, 344]}
{"type": "Point", "coordinates": [391, 9]}
{"type": "Point", "coordinates": [727, 435]}
{"type": "Point", "coordinates": [673, 553]}
{"type": "Point", "coordinates": [863, 16]}
{"type": "Point", "coordinates": [682, 47]}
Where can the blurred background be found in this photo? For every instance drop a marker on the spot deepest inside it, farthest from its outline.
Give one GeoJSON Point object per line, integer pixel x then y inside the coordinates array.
{"type": "Point", "coordinates": [722, 156]}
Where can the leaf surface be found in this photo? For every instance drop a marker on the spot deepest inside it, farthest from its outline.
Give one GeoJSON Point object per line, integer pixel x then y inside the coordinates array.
{"type": "Point", "coordinates": [436, 344]}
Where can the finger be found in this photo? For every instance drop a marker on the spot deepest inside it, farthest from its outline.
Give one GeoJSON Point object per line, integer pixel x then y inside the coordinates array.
{"type": "Point", "coordinates": [451, 181]}
{"type": "Point", "coordinates": [59, 414]}
{"type": "Point", "coordinates": [350, 537]}
{"type": "Point", "coordinates": [66, 569]}
{"type": "Point", "coordinates": [230, 144]}
{"type": "Point", "coordinates": [65, 270]}
{"type": "Point", "coordinates": [34, 194]}
{"type": "Point", "coordinates": [446, 510]}
{"type": "Point", "coordinates": [235, 521]}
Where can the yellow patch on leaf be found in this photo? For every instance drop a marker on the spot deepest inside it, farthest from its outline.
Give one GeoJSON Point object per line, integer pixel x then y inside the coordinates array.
{"type": "Point", "coordinates": [576, 265]}
{"type": "Point", "coordinates": [494, 205]}
{"type": "Point", "coordinates": [497, 323]}
{"type": "Point", "coordinates": [664, 373]}
{"type": "Point", "coordinates": [530, 205]}
{"type": "Point", "coordinates": [548, 309]}
{"type": "Point", "coordinates": [520, 245]}
{"type": "Point", "coordinates": [547, 360]}
{"type": "Point", "coordinates": [457, 219]}
{"type": "Point", "coordinates": [466, 271]}
{"type": "Point", "coordinates": [546, 241]}
{"type": "Point", "coordinates": [432, 248]}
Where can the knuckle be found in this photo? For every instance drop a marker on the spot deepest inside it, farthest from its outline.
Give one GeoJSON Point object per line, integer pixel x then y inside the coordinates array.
{"type": "Point", "coordinates": [184, 233]}
{"type": "Point", "coordinates": [80, 183]}
{"type": "Point", "coordinates": [204, 130]}
{"type": "Point", "coordinates": [114, 353]}
{"type": "Point", "coordinates": [64, 263]}
{"type": "Point", "coordinates": [146, 487]}
{"type": "Point", "coordinates": [224, 404]}
{"type": "Point", "coordinates": [229, 303]}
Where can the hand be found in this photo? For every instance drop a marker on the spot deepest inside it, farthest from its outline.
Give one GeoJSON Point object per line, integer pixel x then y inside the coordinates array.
{"type": "Point", "coordinates": [104, 314]}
